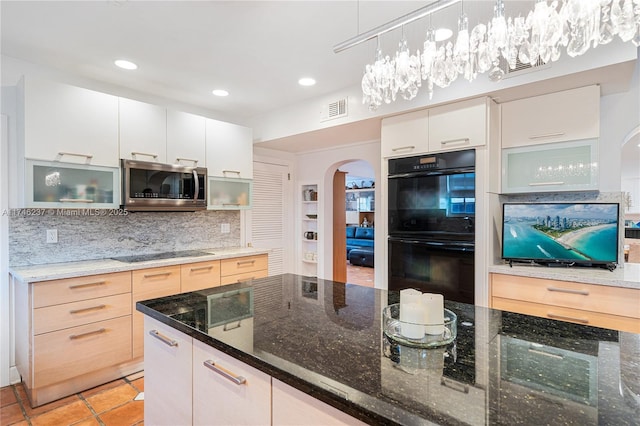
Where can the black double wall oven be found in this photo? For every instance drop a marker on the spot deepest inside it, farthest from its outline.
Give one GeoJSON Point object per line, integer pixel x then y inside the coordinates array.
{"type": "Point", "coordinates": [432, 224]}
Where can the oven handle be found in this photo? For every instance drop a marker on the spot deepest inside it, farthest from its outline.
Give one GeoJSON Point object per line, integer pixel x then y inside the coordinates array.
{"type": "Point", "coordinates": [434, 172]}
{"type": "Point", "coordinates": [466, 247]}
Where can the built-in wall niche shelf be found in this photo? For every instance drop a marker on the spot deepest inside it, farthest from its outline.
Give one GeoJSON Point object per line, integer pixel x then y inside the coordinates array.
{"type": "Point", "coordinates": [308, 229]}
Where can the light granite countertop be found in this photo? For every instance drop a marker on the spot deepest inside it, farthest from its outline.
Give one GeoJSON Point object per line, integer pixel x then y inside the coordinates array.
{"type": "Point", "coordinates": [54, 271]}
{"type": "Point", "coordinates": [627, 276]}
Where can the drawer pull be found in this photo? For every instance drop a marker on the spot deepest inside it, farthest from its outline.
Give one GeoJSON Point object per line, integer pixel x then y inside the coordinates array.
{"type": "Point", "coordinates": [545, 183]}
{"type": "Point", "coordinates": [92, 308]}
{"type": "Point", "coordinates": [569, 290]}
{"type": "Point", "coordinates": [201, 268]}
{"type": "Point", "coordinates": [73, 154]}
{"type": "Point", "coordinates": [245, 262]}
{"type": "Point", "coordinates": [195, 162]}
{"type": "Point", "coordinates": [238, 380]}
{"type": "Point", "coordinates": [163, 338]}
{"type": "Point", "coordinates": [225, 328]}
{"type": "Point", "coordinates": [230, 204]}
{"type": "Point", "coordinates": [134, 153]}
{"type": "Point", "coordinates": [562, 317]}
{"type": "Point", "coordinates": [547, 135]}
{"type": "Point", "coordinates": [235, 172]}
{"type": "Point", "coordinates": [459, 140]}
{"type": "Point", "coordinates": [454, 385]}
{"type": "Point", "coordinates": [245, 279]}
{"type": "Point", "coordinates": [95, 284]}
{"type": "Point", "coordinates": [159, 274]}
{"type": "Point", "coordinates": [87, 334]}
{"type": "Point", "coordinates": [550, 355]}
{"type": "Point", "coordinates": [402, 148]}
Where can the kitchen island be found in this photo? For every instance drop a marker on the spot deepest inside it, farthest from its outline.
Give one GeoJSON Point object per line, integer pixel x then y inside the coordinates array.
{"type": "Point", "coordinates": [290, 348]}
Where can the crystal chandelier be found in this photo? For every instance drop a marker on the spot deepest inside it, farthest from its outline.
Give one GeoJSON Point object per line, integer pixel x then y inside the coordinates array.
{"type": "Point", "coordinates": [570, 25]}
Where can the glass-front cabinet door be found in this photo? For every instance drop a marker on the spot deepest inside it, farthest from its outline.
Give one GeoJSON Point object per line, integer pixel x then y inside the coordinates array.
{"type": "Point", "coordinates": [53, 184]}
{"type": "Point", "coordinates": [229, 193]}
{"type": "Point", "coordinates": [564, 166]}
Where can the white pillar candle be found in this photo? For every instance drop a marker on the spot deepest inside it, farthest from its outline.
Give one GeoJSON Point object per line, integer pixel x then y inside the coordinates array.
{"type": "Point", "coordinates": [410, 295]}
{"type": "Point", "coordinates": [411, 317]}
{"type": "Point", "coordinates": [433, 305]}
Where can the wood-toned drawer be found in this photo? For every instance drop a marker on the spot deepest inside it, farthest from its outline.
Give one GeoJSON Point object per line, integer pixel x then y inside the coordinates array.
{"type": "Point", "coordinates": [241, 265]}
{"type": "Point", "coordinates": [577, 316]}
{"type": "Point", "coordinates": [156, 282]}
{"type": "Point", "coordinates": [55, 292]}
{"type": "Point", "coordinates": [196, 276]}
{"type": "Point", "coordinates": [233, 279]}
{"type": "Point", "coordinates": [588, 297]}
{"type": "Point", "coordinates": [64, 354]}
{"type": "Point", "coordinates": [73, 314]}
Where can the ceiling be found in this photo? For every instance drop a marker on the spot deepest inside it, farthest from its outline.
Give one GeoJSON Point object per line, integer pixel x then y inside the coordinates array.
{"type": "Point", "coordinates": [257, 50]}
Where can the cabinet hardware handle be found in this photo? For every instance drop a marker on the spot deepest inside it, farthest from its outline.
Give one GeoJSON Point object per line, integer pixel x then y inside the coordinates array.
{"type": "Point", "coordinates": [401, 148]}
{"type": "Point", "coordinates": [230, 204]}
{"type": "Point", "coordinates": [245, 262]}
{"type": "Point", "coordinates": [77, 286]}
{"type": "Point", "coordinates": [545, 183]}
{"type": "Point", "coordinates": [195, 162]}
{"type": "Point", "coordinates": [201, 268]}
{"type": "Point", "coordinates": [245, 279]}
{"type": "Point", "coordinates": [562, 317]}
{"type": "Point", "coordinates": [550, 355]}
{"type": "Point", "coordinates": [87, 334]}
{"type": "Point", "coordinates": [459, 140]}
{"type": "Point", "coordinates": [134, 153]}
{"type": "Point", "coordinates": [238, 380]}
{"type": "Point", "coordinates": [568, 290]}
{"type": "Point", "coordinates": [235, 172]}
{"type": "Point", "coordinates": [225, 328]}
{"type": "Point", "coordinates": [163, 338]}
{"type": "Point", "coordinates": [92, 308]}
{"type": "Point", "coordinates": [159, 274]}
{"type": "Point", "coordinates": [547, 135]}
{"type": "Point", "coordinates": [73, 154]}
{"type": "Point", "coordinates": [454, 385]}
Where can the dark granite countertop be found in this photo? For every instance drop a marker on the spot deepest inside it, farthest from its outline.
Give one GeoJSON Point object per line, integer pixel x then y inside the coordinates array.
{"type": "Point", "coordinates": [326, 339]}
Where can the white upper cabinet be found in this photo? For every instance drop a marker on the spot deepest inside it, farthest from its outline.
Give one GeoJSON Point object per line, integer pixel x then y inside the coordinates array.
{"type": "Point", "coordinates": [556, 117]}
{"type": "Point", "coordinates": [143, 131]}
{"type": "Point", "coordinates": [185, 138]}
{"type": "Point", "coordinates": [229, 150]}
{"type": "Point", "coordinates": [458, 126]}
{"type": "Point", "coordinates": [59, 122]}
{"type": "Point", "coordinates": [405, 134]}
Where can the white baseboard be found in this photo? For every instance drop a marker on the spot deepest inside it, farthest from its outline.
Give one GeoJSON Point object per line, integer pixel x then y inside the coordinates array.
{"type": "Point", "coordinates": [14, 376]}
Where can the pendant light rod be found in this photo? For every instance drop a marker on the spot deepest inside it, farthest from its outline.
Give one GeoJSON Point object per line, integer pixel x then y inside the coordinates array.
{"type": "Point", "coordinates": [392, 25]}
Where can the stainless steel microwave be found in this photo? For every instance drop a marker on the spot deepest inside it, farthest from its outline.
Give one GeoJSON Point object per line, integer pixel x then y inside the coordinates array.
{"type": "Point", "coordinates": [148, 186]}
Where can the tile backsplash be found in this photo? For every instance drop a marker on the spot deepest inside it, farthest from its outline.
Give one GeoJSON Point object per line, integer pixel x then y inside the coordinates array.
{"type": "Point", "coordinates": [83, 236]}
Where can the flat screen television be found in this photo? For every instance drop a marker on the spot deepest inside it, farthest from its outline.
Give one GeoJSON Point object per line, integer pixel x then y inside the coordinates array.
{"type": "Point", "coordinates": [562, 234]}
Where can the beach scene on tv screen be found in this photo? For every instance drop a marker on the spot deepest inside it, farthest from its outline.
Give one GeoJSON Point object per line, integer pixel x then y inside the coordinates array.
{"type": "Point", "coordinates": [568, 232]}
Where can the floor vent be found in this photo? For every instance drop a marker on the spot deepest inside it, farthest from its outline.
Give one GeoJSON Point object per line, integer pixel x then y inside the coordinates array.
{"type": "Point", "coordinates": [334, 110]}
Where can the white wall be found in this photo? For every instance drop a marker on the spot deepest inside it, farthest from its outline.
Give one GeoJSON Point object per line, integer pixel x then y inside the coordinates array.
{"type": "Point", "coordinates": [320, 166]}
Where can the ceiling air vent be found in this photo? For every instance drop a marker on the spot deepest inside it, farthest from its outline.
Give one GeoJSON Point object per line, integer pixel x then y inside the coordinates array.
{"type": "Point", "coordinates": [522, 68]}
{"type": "Point", "coordinates": [334, 110]}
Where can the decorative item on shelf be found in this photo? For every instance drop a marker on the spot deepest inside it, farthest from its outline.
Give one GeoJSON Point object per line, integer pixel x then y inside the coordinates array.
{"type": "Point", "coordinates": [311, 235]}
{"type": "Point", "coordinates": [503, 42]}
{"type": "Point", "coordinates": [312, 216]}
{"type": "Point", "coordinates": [365, 223]}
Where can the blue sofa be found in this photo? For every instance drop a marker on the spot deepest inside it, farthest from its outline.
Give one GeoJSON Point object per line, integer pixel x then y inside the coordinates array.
{"type": "Point", "coordinates": [360, 245]}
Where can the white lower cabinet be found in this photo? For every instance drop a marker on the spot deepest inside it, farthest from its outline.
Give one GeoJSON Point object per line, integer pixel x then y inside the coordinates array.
{"type": "Point", "coordinates": [167, 375]}
{"type": "Point", "coordinates": [227, 391]}
{"type": "Point", "coordinates": [293, 407]}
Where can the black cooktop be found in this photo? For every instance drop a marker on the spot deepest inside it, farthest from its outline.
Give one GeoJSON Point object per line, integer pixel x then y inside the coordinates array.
{"type": "Point", "coordinates": [159, 256]}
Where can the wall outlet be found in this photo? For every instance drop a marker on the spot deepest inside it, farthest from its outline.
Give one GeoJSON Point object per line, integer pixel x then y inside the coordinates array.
{"type": "Point", "coordinates": [225, 228]}
{"type": "Point", "coordinates": [52, 235]}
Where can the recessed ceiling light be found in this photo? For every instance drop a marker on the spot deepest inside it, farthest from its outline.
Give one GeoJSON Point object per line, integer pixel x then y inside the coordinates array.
{"type": "Point", "coordinates": [220, 92]}
{"type": "Point", "coordinates": [124, 64]}
{"type": "Point", "coordinates": [443, 34]}
{"type": "Point", "coordinates": [306, 81]}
